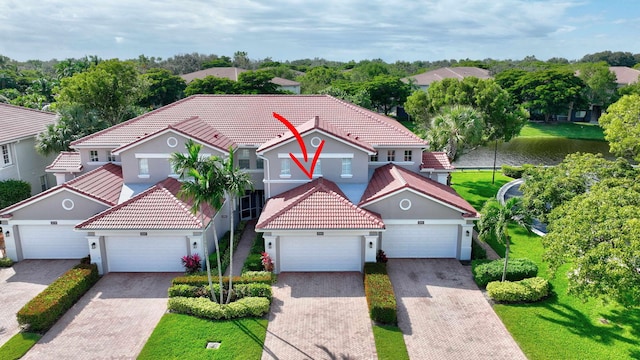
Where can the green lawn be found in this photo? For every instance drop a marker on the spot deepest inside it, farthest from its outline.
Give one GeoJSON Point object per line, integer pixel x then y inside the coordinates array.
{"type": "Point", "coordinates": [389, 343]}
{"type": "Point", "coordinates": [180, 336]}
{"type": "Point", "coordinates": [561, 327]}
{"type": "Point", "coordinates": [18, 345]}
{"type": "Point", "coordinates": [569, 130]}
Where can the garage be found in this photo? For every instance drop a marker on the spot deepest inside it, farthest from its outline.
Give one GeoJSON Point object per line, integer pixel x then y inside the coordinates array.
{"type": "Point", "coordinates": [52, 242]}
{"type": "Point", "coordinates": [321, 253]}
{"type": "Point", "coordinates": [145, 254]}
{"type": "Point", "coordinates": [420, 241]}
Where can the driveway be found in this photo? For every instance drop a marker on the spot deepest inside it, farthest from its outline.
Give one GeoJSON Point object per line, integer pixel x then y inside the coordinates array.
{"type": "Point", "coordinates": [319, 316]}
{"type": "Point", "coordinates": [444, 315]}
{"type": "Point", "coordinates": [113, 320]}
{"type": "Point", "coordinates": [21, 283]}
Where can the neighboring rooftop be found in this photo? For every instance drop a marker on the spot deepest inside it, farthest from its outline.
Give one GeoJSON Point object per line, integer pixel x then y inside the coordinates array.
{"type": "Point", "coordinates": [66, 162]}
{"type": "Point", "coordinates": [18, 122]}
{"type": "Point", "coordinates": [426, 78]}
{"type": "Point", "coordinates": [231, 73]}
{"type": "Point", "coordinates": [625, 75]}
{"type": "Point", "coordinates": [435, 160]}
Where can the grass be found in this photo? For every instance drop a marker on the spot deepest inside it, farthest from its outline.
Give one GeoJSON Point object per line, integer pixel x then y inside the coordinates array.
{"type": "Point", "coordinates": [561, 327]}
{"type": "Point", "coordinates": [18, 345]}
{"type": "Point", "coordinates": [475, 186]}
{"type": "Point", "coordinates": [389, 342]}
{"type": "Point", "coordinates": [569, 130]}
{"type": "Point", "coordinates": [185, 337]}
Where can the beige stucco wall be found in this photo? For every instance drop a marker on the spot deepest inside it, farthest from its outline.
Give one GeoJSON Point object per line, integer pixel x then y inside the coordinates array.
{"type": "Point", "coordinates": [28, 165]}
{"type": "Point", "coordinates": [50, 208]}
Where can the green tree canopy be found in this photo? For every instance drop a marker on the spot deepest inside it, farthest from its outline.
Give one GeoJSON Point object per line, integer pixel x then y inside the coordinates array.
{"type": "Point", "coordinates": [621, 126]}
{"type": "Point", "coordinates": [164, 88]}
{"type": "Point", "coordinates": [455, 128]}
{"type": "Point", "coordinates": [601, 87]}
{"type": "Point", "coordinates": [74, 122]}
{"type": "Point", "coordinates": [386, 92]}
{"type": "Point", "coordinates": [318, 78]}
{"type": "Point", "coordinates": [257, 82]}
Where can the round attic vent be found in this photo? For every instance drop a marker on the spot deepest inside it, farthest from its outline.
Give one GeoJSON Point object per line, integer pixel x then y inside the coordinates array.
{"type": "Point", "coordinates": [172, 142]}
{"type": "Point", "coordinates": [405, 204]}
{"type": "Point", "coordinates": [315, 141]}
{"type": "Point", "coordinates": [67, 204]}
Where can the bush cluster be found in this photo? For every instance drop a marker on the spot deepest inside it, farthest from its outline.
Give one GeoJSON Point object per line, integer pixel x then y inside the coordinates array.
{"type": "Point", "coordinates": [13, 191]}
{"type": "Point", "coordinates": [204, 308]}
{"type": "Point", "coordinates": [485, 271]}
{"type": "Point", "coordinates": [379, 291]}
{"type": "Point", "coordinates": [263, 277]}
{"type": "Point", "coordinates": [515, 172]}
{"type": "Point", "coordinates": [241, 291]}
{"type": "Point", "coordinates": [477, 251]}
{"type": "Point", "coordinates": [527, 290]}
{"type": "Point", "coordinates": [6, 262]}
{"type": "Point", "coordinates": [46, 308]}
{"type": "Point", "coordinates": [254, 260]}
{"type": "Point", "coordinates": [225, 252]}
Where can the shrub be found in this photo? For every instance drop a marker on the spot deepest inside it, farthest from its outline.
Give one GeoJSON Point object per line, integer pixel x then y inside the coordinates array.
{"type": "Point", "coordinates": [225, 253]}
{"type": "Point", "coordinates": [527, 290]}
{"type": "Point", "coordinates": [47, 307]}
{"type": "Point", "coordinates": [486, 271]}
{"type": "Point", "coordinates": [241, 291]}
{"type": "Point", "coordinates": [477, 251]}
{"type": "Point", "coordinates": [6, 262]}
{"type": "Point", "coordinates": [13, 191]}
{"type": "Point", "coordinates": [253, 290]}
{"type": "Point", "coordinates": [253, 263]}
{"type": "Point", "coordinates": [379, 291]}
{"type": "Point", "coordinates": [192, 263]}
{"type": "Point", "coordinates": [381, 257]}
{"type": "Point", "coordinates": [207, 309]}
{"type": "Point", "coordinates": [249, 277]}
{"type": "Point", "coordinates": [515, 172]}
{"type": "Point", "coordinates": [267, 263]}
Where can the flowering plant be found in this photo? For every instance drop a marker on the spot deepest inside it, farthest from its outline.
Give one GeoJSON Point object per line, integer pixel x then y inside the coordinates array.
{"type": "Point", "coordinates": [381, 257]}
{"type": "Point", "coordinates": [192, 263]}
{"type": "Point", "coordinates": [267, 262]}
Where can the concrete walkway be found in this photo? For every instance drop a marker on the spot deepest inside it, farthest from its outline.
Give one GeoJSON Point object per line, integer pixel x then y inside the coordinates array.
{"type": "Point", "coordinates": [244, 246]}
{"type": "Point", "coordinates": [443, 314]}
{"type": "Point", "coordinates": [319, 316]}
{"type": "Point", "coordinates": [21, 283]}
{"type": "Point", "coordinates": [113, 320]}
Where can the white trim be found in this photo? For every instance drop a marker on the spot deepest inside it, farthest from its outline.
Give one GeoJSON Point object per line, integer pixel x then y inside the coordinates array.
{"type": "Point", "coordinates": [426, 221]}
{"type": "Point", "coordinates": [253, 171]}
{"type": "Point", "coordinates": [144, 176]}
{"type": "Point", "coordinates": [392, 162]}
{"type": "Point", "coordinates": [400, 147]}
{"type": "Point", "coordinates": [346, 176]}
{"type": "Point", "coordinates": [293, 138]}
{"type": "Point", "coordinates": [285, 176]}
{"type": "Point", "coordinates": [276, 181]}
{"type": "Point", "coordinates": [97, 163]}
{"type": "Point", "coordinates": [68, 207]}
{"type": "Point", "coordinates": [147, 138]}
{"type": "Point", "coordinates": [313, 233]}
{"type": "Point", "coordinates": [45, 222]}
{"type": "Point", "coordinates": [406, 207]}
{"type": "Point", "coordinates": [417, 193]}
{"type": "Point", "coordinates": [55, 191]}
{"type": "Point", "coordinates": [322, 155]}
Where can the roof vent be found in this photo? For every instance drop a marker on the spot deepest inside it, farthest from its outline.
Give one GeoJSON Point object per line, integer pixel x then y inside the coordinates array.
{"type": "Point", "coordinates": [215, 136]}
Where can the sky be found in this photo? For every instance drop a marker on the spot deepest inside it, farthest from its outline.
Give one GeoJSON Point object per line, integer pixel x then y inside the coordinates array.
{"type": "Point", "coordinates": [340, 30]}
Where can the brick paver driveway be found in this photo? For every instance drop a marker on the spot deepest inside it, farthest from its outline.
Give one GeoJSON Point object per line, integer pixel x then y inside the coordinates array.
{"type": "Point", "coordinates": [21, 283]}
{"type": "Point", "coordinates": [319, 316]}
{"type": "Point", "coordinates": [113, 320]}
{"type": "Point", "coordinates": [444, 315]}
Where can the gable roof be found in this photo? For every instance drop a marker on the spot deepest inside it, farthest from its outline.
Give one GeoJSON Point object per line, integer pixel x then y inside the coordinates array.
{"type": "Point", "coordinates": [192, 127]}
{"type": "Point", "coordinates": [19, 122]}
{"type": "Point", "coordinates": [66, 161]}
{"type": "Point", "coordinates": [435, 160]}
{"type": "Point", "coordinates": [461, 72]}
{"type": "Point", "coordinates": [102, 184]}
{"type": "Point", "coordinates": [318, 204]}
{"type": "Point", "coordinates": [248, 120]}
{"type": "Point", "coordinates": [390, 179]}
{"type": "Point", "coordinates": [318, 124]}
{"type": "Point", "coordinates": [231, 73]}
{"type": "Point", "coordinates": [625, 75]}
{"type": "Point", "coordinates": [157, 208]}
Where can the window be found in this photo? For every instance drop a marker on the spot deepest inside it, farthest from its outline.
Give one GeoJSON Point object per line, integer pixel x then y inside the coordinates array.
{"type": "Point", "coordinates": [373, 158]}
{"type": "Point", "coordinates": [346, 167]}
{"type": "Point", "coordinates": [391, 155]}
{"type": "Point", "coordinates": [111, 157]}
{"type": "Point", "coordinates": [408, 155]}
{"type": "Point", "coordinates": [44, 183]}
{"type": "Point", "coordinates": [6, 155]}
{"type": "Point", "coordinates": [93, 155]}
{"type": "Point", "coordinates": [259, 163]}
{"type": "Point", "coordinates": [243, 159]}
{"type": "Point", "coordinates": [143, 167]}
{"type": "Point", "coordinates": [285, 168]}
{"type": "Point", "coordinates": [317, 171]}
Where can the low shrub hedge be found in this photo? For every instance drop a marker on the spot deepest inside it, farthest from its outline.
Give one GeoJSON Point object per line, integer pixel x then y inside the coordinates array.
{"type": "Point", "coordinates": [477, 251]}
{"type": "Point", "coordinates": [6, 262]}
{"type": "Point", "coordinates": [225, 252]}
{"type": "Point", "coordinates": [515, 172]}
{"type": "Point", "coordinates": [46, 308]}
{"type": "Point", "coordinates": [527, 290]}
{"type": "Point", "coordinates": [379, 292]}
{"type": "Point", "coordinates": [485, 271]}
{"type": "Point", "coordinates": [207, 309]}
{"type": "Point", "coordinates": [254, 260]}
{"type": "Point", "coordinates": [241, 291]}
{"type": "Point", "coordinates": [263, 277]}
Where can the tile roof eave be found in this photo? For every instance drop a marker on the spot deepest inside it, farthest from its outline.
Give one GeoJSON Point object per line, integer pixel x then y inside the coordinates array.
{"type": "Point", "coordinates": [263, 229]}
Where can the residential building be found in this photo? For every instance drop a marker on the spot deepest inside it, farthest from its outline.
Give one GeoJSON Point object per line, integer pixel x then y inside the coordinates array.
{"type": "Point", "coordinates": [424, 80]}
{"type": "Point", "coordinates": [233, 73]}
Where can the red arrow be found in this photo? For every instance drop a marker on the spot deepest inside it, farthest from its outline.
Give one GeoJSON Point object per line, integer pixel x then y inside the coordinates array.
{"type": "Point", "coordinates": [295, 132]}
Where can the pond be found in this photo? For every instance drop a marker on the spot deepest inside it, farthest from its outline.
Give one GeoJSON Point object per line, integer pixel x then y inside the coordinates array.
{"type": "Point", "coordinates": [531, 150]}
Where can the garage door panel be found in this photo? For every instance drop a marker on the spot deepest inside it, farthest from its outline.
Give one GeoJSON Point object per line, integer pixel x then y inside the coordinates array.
{"type": "Point", "coordinates": [145, 254]}
{"type": "Point", "coordinates": [52, 242]}
{"type": "Point", "coordinates": [321, 253]}
{"type": "Point", "coordinates": [420, 241]}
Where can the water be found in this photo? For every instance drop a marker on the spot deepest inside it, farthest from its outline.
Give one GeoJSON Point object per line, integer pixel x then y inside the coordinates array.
{"type": "Point", "coordinates": [536, 151]}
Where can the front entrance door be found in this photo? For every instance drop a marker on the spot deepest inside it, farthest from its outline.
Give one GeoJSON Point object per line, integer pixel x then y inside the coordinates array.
{"type": "Point", "coordinates": [251, 204]}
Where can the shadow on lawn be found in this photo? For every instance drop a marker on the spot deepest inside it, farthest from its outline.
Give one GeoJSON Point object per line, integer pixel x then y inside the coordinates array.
{"type": "Point", "coordinates": [481, 188]}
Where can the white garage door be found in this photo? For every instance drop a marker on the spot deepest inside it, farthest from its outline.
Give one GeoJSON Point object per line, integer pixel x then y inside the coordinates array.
{"type": "Point", "coordinates": [321, 253]}
{"type": "Point", "coordinates": [420, 241]}
{"type": "Point", "coordinates": [145, 254]}
{"type": "Point", "coordinates": [52, 242]}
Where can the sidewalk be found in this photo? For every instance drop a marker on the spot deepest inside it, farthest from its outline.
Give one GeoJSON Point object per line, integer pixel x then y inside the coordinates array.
{"type": "Point", "coordinates": [244, 246]}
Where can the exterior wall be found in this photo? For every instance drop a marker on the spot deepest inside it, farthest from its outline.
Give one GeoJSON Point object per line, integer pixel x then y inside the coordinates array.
{"type": "Point", "coordinates": [221, 223]}
{"type": "Point", "coordinates": [413, 165]}
{"type": "Point", "coordinates": [85, 157]}
{"type": "Point", "coordinates": [28, 165]}
{"type": "Point", "coordinates": [294, 88]}
{"type": "Point", "coordinates": [51, 208]}
{"type": "Point", "coordinates": [421, 208]}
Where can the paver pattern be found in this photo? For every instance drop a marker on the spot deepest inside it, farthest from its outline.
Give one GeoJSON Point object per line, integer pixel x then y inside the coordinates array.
{"type": "Point", "coordinates": [113, 320]}
{"type": "Point", "coordinates": [444, 315]}
{"type": "Point", "coordinates": [21, 283]}
{"type": "Point", "coordinates": [319, 316]}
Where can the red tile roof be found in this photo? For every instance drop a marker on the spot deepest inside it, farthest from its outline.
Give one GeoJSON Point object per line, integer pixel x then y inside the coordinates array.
{"type": "Point", "coordinates": [389, 179]}
{"type": "Point", "coordinates": [436, 160]}
{"type": "Point", "coordinates": [157, 208]}
{"type": "Point", "coordinates": [318, 124]}
{"type": "Point", "coordinates": [66, 161]}
{"type": "Point", "coordinates": [248, 120]}
{"type": "Point", "coordinates": [461, 72]}
{"type": "Point", "coordinates": [625, 75]}
{"type": "Point", "coordinates": [318, 204]}
{"type": "Point", "coordinates": [18, 122]}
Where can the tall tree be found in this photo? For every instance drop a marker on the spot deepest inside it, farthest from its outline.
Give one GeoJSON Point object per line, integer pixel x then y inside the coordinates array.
{"type": "Point", "coordinates": [318, 78]}
{"type": "Point", "coordinates": [601, 87]}
{"type": "Point", "coordinates": [203, 185]}
{"type": "Point", "coordinates": [74, 122]}
{"type": "Point", "coordinates": [455, 128]}
{"type": "Point", "coordinates": [164, 88]}
{"type": "Point", "coordinates": [495, 221]}
{"type": "Point", "coordinates": [386, 92]}
{"type": "Point", "coordinates": [621, 126]}
{"type": "Point", "coordinates": [257, 82]}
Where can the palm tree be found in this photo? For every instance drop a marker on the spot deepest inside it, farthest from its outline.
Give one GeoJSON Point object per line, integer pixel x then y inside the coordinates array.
{"type": "Point", "coordinates": [454, 127]}
{"type": "Point", "coordinates": [236, 183]}
{"type": "Point", "coordinates": [203, 185]}
{"type": "Point", "coordinates": [495, 221]}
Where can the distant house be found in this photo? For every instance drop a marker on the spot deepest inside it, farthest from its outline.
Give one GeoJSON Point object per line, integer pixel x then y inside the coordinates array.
{"type": "Point", "coordinates": [625, 75]}
{"type": "Point", "coordinates": [233, 72]}
{"type": "Point", "coordinates": [18, 157]}
{"type": "Point", "coordinates": [424, 80]}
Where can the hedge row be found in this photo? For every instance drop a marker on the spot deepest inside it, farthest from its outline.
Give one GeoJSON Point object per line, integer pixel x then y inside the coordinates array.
{"type": "Point", "coordinates": [207, 309]}
{"type": "Point", "coordinates": [46, 308]}
{"type": "Point", "coordinates": [379, 291]}
{"type": "Point", "coordinates": [6, 262]}
{"type": "Point", "coordinates": [225, 252]}
{"type": "Point", "coordinates": [515, 172]}
{"type": "Point", "coordinates": [13, 191]}
{"type": "Point", "coordinates": [485, 271]}
{"type": "Point", "coordinates": [254, 260]}
{"type": "Point", "coordinates": [527, 290]}
{"type": "Point", "coordinates": [263, 277]}
{"type": "Point", "coordinates": [240, 291]}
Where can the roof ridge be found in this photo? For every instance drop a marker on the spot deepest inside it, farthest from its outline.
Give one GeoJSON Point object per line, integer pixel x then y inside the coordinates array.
{"type": "Point", "coordinates": [305, 195]}
{"type": "Point", "coordinates": [181, 203]}
{"type": "Point", "coordinates": [400, 176]}
{"type": "Point", "coordinates": [30, 109]}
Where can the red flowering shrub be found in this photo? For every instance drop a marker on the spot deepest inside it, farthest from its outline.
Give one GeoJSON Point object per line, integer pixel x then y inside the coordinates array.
{"type": "Point", "coordinates": [192, 263]}
{"type": "Point", "coordinates": [267, 262]}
